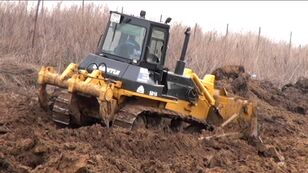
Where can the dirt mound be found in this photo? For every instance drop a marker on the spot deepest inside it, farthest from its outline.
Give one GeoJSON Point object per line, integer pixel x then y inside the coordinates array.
{"type": "Point", "coordinates": [302, 84]}
{"type": "Point", "coordinates": [233, 78]}
{"type": "Point", "coordinates": [292, 97]}
{"type": "Point", "coordinates": [19, 76]}
{"type": "Point", "coordinates": [30, 142]}
{"type": "Point", "coordinates": [229, 72]}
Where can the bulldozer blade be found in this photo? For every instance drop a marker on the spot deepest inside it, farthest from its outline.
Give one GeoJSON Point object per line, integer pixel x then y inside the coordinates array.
{"type": "Point", "coordinates": [43, 98]}
{"type": "Point", "coordinates": [254, 128]}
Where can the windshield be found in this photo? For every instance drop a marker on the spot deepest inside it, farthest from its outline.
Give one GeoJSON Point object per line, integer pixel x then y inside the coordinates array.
{"type": "Point", "coordinates": [124, 40]}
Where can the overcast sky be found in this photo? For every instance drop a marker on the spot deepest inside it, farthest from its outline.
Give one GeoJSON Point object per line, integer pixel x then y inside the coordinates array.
{"type": "Point", "coordinates": [277, 19]}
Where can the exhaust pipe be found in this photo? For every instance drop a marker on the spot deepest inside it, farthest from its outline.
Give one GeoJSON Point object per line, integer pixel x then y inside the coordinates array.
{"type": "Point", "coordinates": [180, 64]}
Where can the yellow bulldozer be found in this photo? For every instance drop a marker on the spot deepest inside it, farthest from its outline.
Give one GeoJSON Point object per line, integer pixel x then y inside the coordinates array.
{"type": "Point", "coordinates": [125, 84]}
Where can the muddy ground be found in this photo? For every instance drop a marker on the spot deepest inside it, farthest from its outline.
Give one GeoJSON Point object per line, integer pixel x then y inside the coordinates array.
{"type": "Point", "coordinates": [30, 142]}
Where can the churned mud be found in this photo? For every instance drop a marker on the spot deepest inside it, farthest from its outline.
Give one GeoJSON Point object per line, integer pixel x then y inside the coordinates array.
{"type": "Point", "coordinates": [30, 142]}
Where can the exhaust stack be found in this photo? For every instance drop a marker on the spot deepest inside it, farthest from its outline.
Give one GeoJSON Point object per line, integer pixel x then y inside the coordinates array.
{"type": "Point", "coordinates": [180, 64]}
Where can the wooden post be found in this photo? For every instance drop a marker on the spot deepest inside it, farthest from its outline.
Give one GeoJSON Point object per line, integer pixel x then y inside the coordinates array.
{"type": "Point", "coordinates": [195, 29]}
{"type": "Point", "coordinates": [290, 44]}
{"type": "Point", "coordinates": [259, 35]}
{"type": "Point", "coordinates": [290, 41]}
{"type": "Point", "coordinates": [256, 66]}
{"type": "Point", "coordinates": [82, 7]}
{"type": "Point", "coordinates": [26, 4]}
{"type": "Point", "coordinates": [305, 64]}
{"type": "Point", "coordinates": [35, 22]}
{"type": "Point", "coordinates": [227, 30]}
{"type": "Point", "coordinates": [225, 41]}
{"type": "Point", "coordinates": [42, 8]}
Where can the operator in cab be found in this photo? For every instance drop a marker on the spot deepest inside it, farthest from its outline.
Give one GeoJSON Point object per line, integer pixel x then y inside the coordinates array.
{"type": "Point", "coordinates": [130, 48]}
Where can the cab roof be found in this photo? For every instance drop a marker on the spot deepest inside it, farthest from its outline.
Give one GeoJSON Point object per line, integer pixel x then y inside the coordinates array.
{"type": "Point", "coordinates": [142, 20]}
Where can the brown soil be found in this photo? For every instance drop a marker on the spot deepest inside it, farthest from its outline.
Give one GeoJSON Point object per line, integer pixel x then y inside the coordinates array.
{"type": "Point", "coordinates": [30, 142]}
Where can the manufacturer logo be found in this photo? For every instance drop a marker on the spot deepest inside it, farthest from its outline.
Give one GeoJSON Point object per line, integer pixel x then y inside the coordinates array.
{"type": "Point", "coordinates": [109, 70]}
{"type": "Point", "coordinates": [140, 89]}
{"type": "Point", "coordinates": [113, 71]}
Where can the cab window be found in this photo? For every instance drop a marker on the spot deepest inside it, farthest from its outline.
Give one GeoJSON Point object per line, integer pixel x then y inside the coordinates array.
{"type": "Point", "coordinates": [156, 45]}
{"type": "Point", "coordinates": [124, 40]}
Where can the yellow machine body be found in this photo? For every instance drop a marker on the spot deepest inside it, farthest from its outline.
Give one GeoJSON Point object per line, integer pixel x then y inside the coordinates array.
{"type": "Point", "coordinates": [106, 91]}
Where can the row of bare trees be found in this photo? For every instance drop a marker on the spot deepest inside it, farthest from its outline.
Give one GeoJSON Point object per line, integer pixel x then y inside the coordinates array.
{"type": "Point", "coordinates": [59, 36]}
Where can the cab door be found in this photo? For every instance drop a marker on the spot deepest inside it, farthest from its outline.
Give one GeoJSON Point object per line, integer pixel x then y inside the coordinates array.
{"type": "Point", "coordinates": [156, 47]}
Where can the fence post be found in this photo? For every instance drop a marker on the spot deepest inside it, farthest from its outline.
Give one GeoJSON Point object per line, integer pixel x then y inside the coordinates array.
{"type": "Point", "coordinates": [227, 30]}
{"type": "Point", "coordinates": [256, 65]}
{"type": "Point", "coordinates": [259, 35]}
{"type": "Point", "coordinates": [195, 29]}
{"type": "Point", "coordinates": [35, 22]}
{"type": "Point", "coordinates": [27, 4]}
{"type": "Point", "coordinates": [290, 44]}
{"type": "Point", "coordinates": [82, 7]}
{"type": "Point", "coordinates": [42, 8]}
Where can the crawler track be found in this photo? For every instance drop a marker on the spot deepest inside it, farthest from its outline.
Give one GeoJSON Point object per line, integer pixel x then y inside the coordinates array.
{"type": "Point", "coordinates": [132, 115]}
{"type": "Point", "coordinates": [60, 108]}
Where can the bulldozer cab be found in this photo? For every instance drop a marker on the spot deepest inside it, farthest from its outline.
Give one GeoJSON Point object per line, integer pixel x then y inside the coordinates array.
{"type": "Point", "coordinates": [135, 40]}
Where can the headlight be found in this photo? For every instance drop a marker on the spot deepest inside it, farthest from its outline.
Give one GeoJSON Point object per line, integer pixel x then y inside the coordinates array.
{"type": "Point", "coordinates": [94, 67]}
{"type": "Point", "coordinates": [102, 68]}
{"type": "Point", "coordinates": [91, 67]}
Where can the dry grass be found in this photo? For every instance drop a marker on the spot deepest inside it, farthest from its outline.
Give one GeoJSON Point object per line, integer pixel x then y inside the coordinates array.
{"type": "Point", "coordinates": [67, 35]}
{"type": "Point", "coordinates": [62, 35]}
